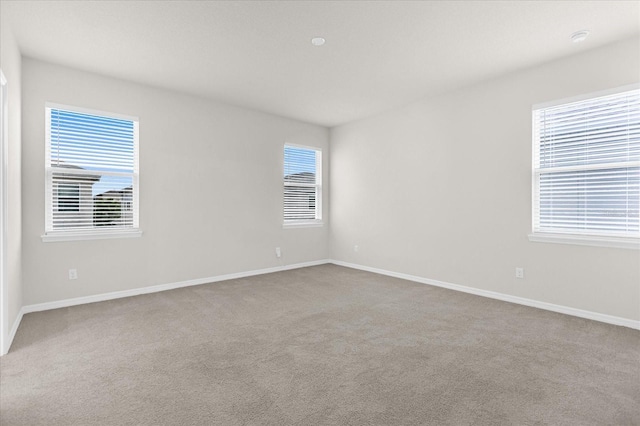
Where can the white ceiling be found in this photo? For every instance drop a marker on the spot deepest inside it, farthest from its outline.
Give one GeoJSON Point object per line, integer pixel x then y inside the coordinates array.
{"type": "Point", "coordinates": [257, 54]}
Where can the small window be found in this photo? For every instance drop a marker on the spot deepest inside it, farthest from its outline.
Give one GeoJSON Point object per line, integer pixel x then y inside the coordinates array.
{"type": "Point", "coordinates": [91, 173]}
{"type": "Point", "coordinates": [68, 197]}
{"type": "Point", "coordinates": [586, 167]}
{"type": "Point", "coordinates": [302, 185]}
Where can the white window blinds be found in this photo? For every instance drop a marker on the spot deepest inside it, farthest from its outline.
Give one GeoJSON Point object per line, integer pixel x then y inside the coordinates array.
{"type": "Point", "coordinates": [587, 166]}
{"type": "Point", "coordinates": [302, 185]}
{"type": "Point", "coordinates": [91, 170]}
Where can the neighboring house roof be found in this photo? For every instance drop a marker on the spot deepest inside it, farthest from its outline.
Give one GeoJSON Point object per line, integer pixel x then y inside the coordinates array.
{"type": "Point", "coordinates": [116, 193]}
{"type": "Point", "coordinates": [77, 177]}
{"type": "Point", "coordinates": [303, 177]}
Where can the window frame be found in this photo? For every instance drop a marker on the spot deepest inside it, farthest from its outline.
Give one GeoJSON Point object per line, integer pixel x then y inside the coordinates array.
{"type": "Point", "coordinates": [566, 237]}
{"type": "Point", "coordinates": [305, 223]}
{"type": "Point", "coordinates": [94, 233]}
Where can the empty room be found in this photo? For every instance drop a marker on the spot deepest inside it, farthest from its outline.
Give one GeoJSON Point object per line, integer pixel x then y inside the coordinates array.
{"type": "Point", "coordinates": [319, 212]}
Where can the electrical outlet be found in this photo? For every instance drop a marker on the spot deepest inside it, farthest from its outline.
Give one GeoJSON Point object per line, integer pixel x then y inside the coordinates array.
{"type": "Point", "coordinates": [278, 252]}
{"type": "Point", "coordinates": [73, 274]}
{"type": "Point", "coordinates": [519, 272]}
{"type": "Point", "coordinates": [356, 248]}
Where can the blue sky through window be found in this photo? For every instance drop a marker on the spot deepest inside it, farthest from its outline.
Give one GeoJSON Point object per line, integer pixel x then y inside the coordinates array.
{"type": "Point", "coordinates": [110, 183]}
{"type": "Point", "coordinates": [299, 160]}
{"type": "Point", "coordinates": [95, 143]}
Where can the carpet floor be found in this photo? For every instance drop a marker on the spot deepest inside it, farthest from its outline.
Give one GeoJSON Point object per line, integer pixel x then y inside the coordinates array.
{"type": "Point", "coordinates": [323, 345]}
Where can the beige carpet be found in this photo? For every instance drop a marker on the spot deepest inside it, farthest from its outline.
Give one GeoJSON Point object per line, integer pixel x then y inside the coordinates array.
{"type": "Point", "coordinates": [324, 345]}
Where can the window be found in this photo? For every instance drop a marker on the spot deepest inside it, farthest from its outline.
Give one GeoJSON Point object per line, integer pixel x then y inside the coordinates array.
{"type": "Point", "coordinates": [68, 197]}
{"type": "Point", "coordinates": [586, 165]}
{"type": "Point", "coordinates": [302, 186]}
{"type": "Point", "coordinates": [91, 174]}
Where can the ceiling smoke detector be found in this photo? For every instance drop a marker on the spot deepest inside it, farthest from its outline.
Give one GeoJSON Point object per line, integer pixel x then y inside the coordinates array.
{"type": "Point", "coordinates": [318, 41]}
{"type": "Point", "coordinates": [579, 36]}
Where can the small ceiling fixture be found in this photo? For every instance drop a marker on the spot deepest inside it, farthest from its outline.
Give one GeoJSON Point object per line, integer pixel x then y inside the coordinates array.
{"type": "Point", "coordinates": [318, 41]}
{"type": "Point", "coordinates": [579, 36]}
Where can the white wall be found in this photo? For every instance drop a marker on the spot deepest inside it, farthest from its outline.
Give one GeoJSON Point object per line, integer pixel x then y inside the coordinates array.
{"type": "Point", "coordinates": [441, 189]}
{"type": "Point", "coordinates": [10, 63]}
{"type": "Point", "coordinates": [210, 190]}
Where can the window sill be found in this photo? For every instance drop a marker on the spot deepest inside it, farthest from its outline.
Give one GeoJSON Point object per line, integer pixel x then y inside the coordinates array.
{"type": "Point", "coordinates": [310, 224]}
{"type": "Point", "coordinates": [52, 237]}
{"type": "Point", "coordinates": [587, 240]}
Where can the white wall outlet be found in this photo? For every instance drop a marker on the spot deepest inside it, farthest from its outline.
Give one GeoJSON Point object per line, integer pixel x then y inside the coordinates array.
{"type": "Point", "coordinates": [356, 248]}
{"type": "Point", "coordinates": [73, 274]}
{"type": "Point", "coordinates": [519, 272]}
{"type": "Point", "coordinates": [278, 252]}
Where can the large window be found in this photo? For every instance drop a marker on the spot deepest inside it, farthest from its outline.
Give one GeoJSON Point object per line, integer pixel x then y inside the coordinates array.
{"type": "Point", "coordinates": [586, 164]}
{"type": "Point", "coordinates": [91, 174]}
{"type": "Point", "coordinates": [302, 186]}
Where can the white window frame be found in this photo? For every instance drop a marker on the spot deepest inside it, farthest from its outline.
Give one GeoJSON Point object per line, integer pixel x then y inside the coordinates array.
{"type": "Point", "coordinates": [566, 237]}
{"type": "Point", "coordinates": [306, 223]}
{"type": "Point", "coordinates": [56, 235]}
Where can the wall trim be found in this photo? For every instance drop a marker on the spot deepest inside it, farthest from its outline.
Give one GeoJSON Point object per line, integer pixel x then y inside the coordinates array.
{"type": "Point", "coordinates": [587, 240]}
{"type": "Point", "coordinates": [163, 287]}
{"type": "Point", "coordinates": [146, 290]}
{"type": "Point", "coordinates": [14, 329]}
{"type": "Point", "coordinates": [609, 319]}
{"type": "Point", "coordinates": [5, 340]}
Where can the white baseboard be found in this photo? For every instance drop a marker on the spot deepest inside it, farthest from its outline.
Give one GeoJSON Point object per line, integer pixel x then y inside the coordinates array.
{"type": "Point", "coordinates": [162, 287]}
{"type": "Point", "coordinates": [14, 330]}
{"type": "Point", "coordinates": [145, 290]}
{"type": "Point", "coordinates": [170, 286]}
{"type": "Point", "coordinates": [501, 296]}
